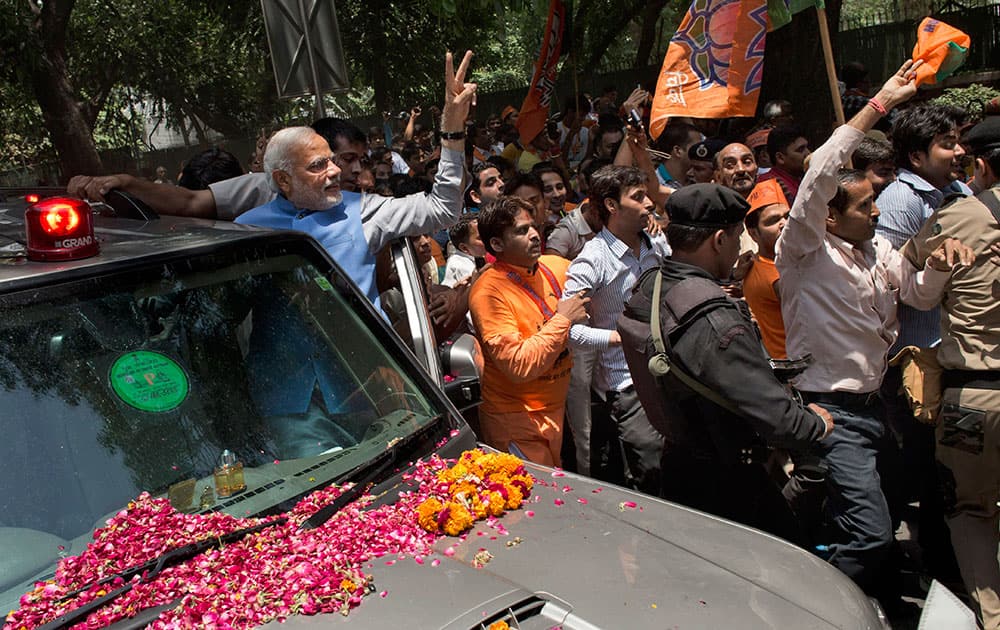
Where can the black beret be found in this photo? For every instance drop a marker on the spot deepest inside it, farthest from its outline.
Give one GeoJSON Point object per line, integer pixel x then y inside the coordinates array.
{"type": "Point", "coordinates": [706, 149]}
{"type": "Point", "coordinates": [984, 136]}
{"type": "Point", "coordinates": [706, 205]}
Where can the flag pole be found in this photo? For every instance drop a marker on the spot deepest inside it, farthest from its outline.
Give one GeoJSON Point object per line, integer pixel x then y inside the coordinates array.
{"type": "Point", "coordinates": [831, 71]}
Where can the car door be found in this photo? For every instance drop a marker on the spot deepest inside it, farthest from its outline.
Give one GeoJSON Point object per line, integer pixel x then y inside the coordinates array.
{"type": "Point", "coordinates": [455, 363]}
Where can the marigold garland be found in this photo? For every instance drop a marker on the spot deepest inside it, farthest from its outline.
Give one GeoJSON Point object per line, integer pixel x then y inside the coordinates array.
{"type": "Point", "coordinates": [477, 486]}
{"type": "Point", "coordinates": [280, 571]}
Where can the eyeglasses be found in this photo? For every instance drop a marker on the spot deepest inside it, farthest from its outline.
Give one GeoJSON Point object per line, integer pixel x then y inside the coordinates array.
{"type": "Point", "coordinates": [320, 165]}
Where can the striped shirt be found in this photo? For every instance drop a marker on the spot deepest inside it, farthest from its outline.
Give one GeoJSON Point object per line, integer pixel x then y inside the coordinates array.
{"type": "Point", "coordinates": [609, 269]}
{"type": "Point", "coordinates": [904, 207]}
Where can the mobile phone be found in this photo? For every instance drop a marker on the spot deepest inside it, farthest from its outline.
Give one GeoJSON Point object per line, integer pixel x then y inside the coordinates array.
{"type": "Point", "coordinates": [634, 120]}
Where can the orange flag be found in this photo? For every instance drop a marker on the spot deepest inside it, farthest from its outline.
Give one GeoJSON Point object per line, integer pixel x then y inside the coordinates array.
{"type": "Point", "coordinates": [943, 49]}
{"type": "Point", "coordinates": [535, 110]}
{"type": "Point", "coordinates": [714, 64]}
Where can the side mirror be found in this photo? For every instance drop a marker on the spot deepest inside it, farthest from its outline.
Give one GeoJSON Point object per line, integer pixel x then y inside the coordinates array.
{"type": "Point", "coordinates": [462, 366]}
{"type": "Point", "coordinates": [463, 359]}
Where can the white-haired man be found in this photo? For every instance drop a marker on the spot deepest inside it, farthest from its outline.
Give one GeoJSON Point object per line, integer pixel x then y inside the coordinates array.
{"type": "Point", "coordinates": [303, 173]}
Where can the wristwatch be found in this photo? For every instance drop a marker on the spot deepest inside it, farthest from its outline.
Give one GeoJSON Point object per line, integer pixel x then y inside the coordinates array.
{"type": "Point", "coordinates": [453, 135]}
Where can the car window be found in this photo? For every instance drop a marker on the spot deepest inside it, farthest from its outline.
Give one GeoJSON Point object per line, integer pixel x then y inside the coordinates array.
{"type": "Point", "coordinates": [139, 380]}
{"type": "Point", "coordinates": [403, 298]}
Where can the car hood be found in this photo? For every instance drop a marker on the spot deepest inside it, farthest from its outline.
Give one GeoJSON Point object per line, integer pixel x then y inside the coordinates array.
{"type": "Point", "coordinates": [579, 555]}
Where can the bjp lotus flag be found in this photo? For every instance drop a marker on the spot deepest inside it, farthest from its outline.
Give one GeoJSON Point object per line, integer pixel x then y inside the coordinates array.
{"type": "Point", "coordinates": [535, 109]}
{"type": "Point", "coordinates": [714, 64]}
{"type": "Point", "coordinates": [943, 49]}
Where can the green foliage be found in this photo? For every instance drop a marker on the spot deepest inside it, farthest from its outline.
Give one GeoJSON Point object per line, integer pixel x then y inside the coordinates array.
{"type": "Point", "coordinates": [208, 60]}
{"type": "Point", "coordinates": [972, 99]}
{"type": "Point", "coordinates": [22, 135]}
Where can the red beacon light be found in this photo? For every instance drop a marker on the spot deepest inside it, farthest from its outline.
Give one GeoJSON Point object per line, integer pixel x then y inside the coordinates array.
{"type": "Point", "coordinates": [60, 228]}
{"type": "Point", "coordinates": [32, 197]}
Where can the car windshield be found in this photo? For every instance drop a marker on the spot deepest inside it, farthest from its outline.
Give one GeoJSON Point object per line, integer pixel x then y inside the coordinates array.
{"type": "Point", "coordinates": [139, 381]}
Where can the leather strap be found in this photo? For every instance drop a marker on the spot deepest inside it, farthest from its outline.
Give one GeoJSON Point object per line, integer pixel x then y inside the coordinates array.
{"type": "Point", "coordinates": [660, 363]}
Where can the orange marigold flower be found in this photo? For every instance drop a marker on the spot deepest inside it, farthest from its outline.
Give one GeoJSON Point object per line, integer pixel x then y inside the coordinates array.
{"type": "Point", "coordinates": [427, 514]}
{"type": "Point", "coordinates": [502, 463]}
{"type": "Point", "coordinates": [514, 497]}
{"type": "Point", "coordinates": [495, 503]}
{"type": "Point", "coordinates": [459, 519]}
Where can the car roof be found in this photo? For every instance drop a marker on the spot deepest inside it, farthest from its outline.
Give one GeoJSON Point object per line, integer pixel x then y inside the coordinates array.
{"type": "Point", "coordinates": [121, 239]}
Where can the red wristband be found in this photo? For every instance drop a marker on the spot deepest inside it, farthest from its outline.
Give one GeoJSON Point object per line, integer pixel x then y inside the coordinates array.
{"type": "Point", "coordinates": [877, 106]}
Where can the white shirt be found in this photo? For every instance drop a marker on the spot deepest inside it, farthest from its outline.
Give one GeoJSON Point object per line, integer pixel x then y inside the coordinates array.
{"type": "Point", "coordinates": [839, 301]}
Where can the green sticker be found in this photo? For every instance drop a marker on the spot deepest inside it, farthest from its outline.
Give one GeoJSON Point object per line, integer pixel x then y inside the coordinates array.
{"type": "Point", "coordinates": [323, 283]}
{"type": "Point", "coordinates": [149, 381]}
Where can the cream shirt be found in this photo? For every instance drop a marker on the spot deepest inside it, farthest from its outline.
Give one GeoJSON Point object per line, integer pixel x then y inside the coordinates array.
{"type": "Point", "coordinates": [839, 301]}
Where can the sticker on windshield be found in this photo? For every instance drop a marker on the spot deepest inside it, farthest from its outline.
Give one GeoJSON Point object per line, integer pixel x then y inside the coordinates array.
{"type": "Point", "coordinates": [324, 284]}
{"type": "Point", "coordinates": [149, 381]}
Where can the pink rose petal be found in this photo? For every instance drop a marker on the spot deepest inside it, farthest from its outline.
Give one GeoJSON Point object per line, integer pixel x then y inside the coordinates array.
{"type": "Point", "coordinates": [530, 513]}
{"type": "Point", "coordinates": [558, 501]}
{"type": "Point", "coordinates": [581, 500]}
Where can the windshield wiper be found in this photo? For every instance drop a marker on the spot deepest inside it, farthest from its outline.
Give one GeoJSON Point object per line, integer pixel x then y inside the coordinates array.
{"type": "Point", "coordinates": [382, 463]}
{"type": "Point", "coordinates": [154, 567]}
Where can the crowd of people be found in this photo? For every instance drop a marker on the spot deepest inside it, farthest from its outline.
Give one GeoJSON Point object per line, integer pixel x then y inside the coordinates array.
{"type": "Point", "coordinates": [804, 342]}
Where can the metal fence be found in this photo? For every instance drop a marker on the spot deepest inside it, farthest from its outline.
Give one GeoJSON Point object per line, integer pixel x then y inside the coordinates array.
{"type": "Point", "coordinates": [883, 46]}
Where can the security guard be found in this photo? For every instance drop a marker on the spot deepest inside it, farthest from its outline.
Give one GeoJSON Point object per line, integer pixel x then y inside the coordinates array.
{"type": "Point", "coordinates": [968, 430]}
{"type": "Point", "coordinates": [713, 394]}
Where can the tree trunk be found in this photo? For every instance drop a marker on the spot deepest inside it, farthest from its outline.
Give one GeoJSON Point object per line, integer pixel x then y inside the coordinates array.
{"type": "Point", "coordinates": [648, 20]}
{"type": "Point", "coordinates": [794, 70]}
{"type": "Point", "coordinates": [600, 41]}
{"type": "Point", "coordinates": [381, 82]}
{"type": "Point", "coordinates": [62, 112]}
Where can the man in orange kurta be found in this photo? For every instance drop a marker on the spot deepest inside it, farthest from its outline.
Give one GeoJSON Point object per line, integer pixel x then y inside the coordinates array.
{"type": "Point", "coordinates": [523, 319]}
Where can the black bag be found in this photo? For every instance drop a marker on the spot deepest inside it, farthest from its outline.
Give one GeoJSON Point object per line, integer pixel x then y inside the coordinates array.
{"type": "Point", "coordinates": [647, 350]}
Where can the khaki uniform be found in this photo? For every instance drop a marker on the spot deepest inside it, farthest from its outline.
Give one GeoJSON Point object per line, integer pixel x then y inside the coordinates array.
{"type": "Point", "coordinates": [969, 428]}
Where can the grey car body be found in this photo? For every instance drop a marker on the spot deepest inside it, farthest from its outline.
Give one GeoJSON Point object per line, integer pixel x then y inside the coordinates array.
{"type": "Point", "coordinates": [581, 554]}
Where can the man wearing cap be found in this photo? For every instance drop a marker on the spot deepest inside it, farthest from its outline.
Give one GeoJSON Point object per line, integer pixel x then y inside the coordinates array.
{"type": "Point", "coordinates": [701, 161]}
{"type": "Point", "coordinates": [839, 288]}
{"type": "Point", "coordinates": [969, 425]}
{"type": "Point", "coordinates": [765, 219]}
{"type": "Point", "coordinates": [715, 447]}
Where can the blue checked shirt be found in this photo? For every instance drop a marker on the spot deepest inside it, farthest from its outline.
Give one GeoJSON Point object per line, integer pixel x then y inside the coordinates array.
{"type": "Point", "coordinates": [905, 205]}
{"type": "Point", "coordinates": [609, 269]}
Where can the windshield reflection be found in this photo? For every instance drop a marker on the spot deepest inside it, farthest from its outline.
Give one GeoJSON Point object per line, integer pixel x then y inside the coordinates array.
{"type": "Point", "coordinates": [139, 381]}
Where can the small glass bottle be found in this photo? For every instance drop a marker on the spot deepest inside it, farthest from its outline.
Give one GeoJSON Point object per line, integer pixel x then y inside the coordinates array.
{"type": "Point", "coordinates": [229, 475]}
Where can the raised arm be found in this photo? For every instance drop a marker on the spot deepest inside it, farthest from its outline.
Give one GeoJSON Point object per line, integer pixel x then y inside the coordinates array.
{"type": "Point", "coordinates": [387, 219]}
{"type": "Point", "coordinates": [806, 227]}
